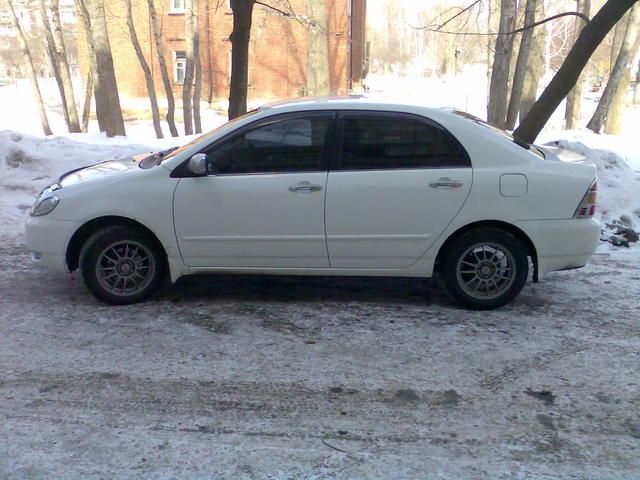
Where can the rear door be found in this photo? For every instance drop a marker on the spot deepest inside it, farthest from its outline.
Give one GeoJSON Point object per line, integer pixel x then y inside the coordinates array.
{"type": "Point", "coordinates": [398, 181]}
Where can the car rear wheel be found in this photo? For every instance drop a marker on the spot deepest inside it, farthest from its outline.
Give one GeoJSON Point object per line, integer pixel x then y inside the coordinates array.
{"type": "Point", "coordinates": [486, 268]}
{"type": "Point", "coordinates": [121, 265]}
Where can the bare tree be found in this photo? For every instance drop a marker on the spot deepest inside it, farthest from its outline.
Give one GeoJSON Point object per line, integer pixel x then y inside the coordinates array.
{"type": "Point", "coordinates": [148, 77]}
{"type": "Point", "coordinates": [530, 64]}
{"type": "Point", "coordinates": [164, 71]}
{"type": "Point", "coordinates": [615, 116]}
{"type": "Point", "coordinates": [574, 99]}
{"type": "Point", "coordinates": [617, 74]}
{"type": "Point", "coordinates": [567, 76]}
{"type": "Point", "coordinates": [318, 49]}
{"type": "Point", "coordinates": [187, 110]}
{"type": "Point", "coordinates": [536, 63]}
{"type": "Point", "coordinates": [207, 43]}
{"type": "Point", "coordinates": [240, 36]}
{"type": "Point", "coordinates": [105, 89]}
{"type": "Point", "coordinates": [498, 90]}
{"type": "Point", "coordinates": [83, 15]}
{"type": "Point", "coordinates": [86, 110]}
{"type": "Point", "coordinates": [636, 89]}
{"type": "Point", "coordinates": [53, 60]}
{"type": "Point", "coordinates": [197, 67]}
{"type": "Point", "coordinates": [523, 64]}
{"type": "Point", "coordinates": [31, 72]}
{"type": "Point", "coordinates": [63, 64]}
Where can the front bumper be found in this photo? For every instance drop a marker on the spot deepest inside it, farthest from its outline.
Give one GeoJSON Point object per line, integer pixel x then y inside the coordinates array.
{"type": "Point", "coordinates": [47, 239]}
{"type": "Point", "coordinates": [562, 244]}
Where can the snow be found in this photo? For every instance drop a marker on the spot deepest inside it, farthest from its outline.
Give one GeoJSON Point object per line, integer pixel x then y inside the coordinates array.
{"type": "Point", "coordinates": [29, 163]}
{"type": "Point", "coordinates": [618, 182]}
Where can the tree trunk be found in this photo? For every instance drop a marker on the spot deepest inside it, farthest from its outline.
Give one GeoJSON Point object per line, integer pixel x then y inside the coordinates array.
{"type": "Point", "coordinates": [53, 59]}
{"type": "Point", "coordinates": [240, 36]}
{"type": "Point", "coordinates": [164, 71]}
{"type": "Point", "coordinates": [105, 85]}
{"type": "Point", "coordinates": [86, 111]}
{"type": "Point", "coordinates": [85, 18]}
{"type": "Point", "coordinates": [574, 100]}
{"type": "Point", "coordinates": [636, 90]}
{"type": "Point", "coordinates": [207, 42]}
{"type": "Point", "coordinates": [197, 67]}
{"type": "Point", "coordinates": [498, 92]}
{"type": "Point", "coordinates": [615, 116]}
{"type": "Point", "coordinates": [318, 49]}
{"type": "Point", "coordinates": [572, 67]}
{"type": "Point", "coordinates": [616, 78]}
{"type": "Point", "coordinates": [31, 72]}
{"type": "Point", "coordinates": [187, 110]}
{"type": "Point", "coordinates": [536, 63]}
{"type": "Point", "coordinates": [63, 62]}
{"type": "Point", "coordinates": [148, 77]}
{"type": "Point", "coordinates": [523, 64]}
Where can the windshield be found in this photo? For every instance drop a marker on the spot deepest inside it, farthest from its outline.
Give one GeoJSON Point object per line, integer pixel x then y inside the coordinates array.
{"type": "Point", "coordinates": [158, 157]}
{"type": "Point", "coordinates": [502, 133]}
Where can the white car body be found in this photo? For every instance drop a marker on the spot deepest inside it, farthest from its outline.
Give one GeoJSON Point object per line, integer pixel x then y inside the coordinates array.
{"type": "Point", "coordinates": [370, 222]}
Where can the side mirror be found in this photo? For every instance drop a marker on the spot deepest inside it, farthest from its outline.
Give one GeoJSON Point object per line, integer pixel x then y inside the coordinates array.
{"type": "Point", "coordinates": [198, 164]}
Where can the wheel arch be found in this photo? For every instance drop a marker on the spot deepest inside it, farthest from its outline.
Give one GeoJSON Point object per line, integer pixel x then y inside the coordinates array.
{"type": "Point", "coordinates": [83, 233]}
{"type": "Point", "coordinates": [508, 227]}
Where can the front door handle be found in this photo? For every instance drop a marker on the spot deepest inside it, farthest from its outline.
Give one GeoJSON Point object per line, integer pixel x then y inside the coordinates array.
{"type": "Point", "coordinates": [305, 187]}
{"type": "Point", "coordinates": [445, 183]}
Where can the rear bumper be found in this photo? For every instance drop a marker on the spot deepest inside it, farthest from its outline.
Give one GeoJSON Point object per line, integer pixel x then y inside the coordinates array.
{"type": "Point", "coordinates": [562, 244]}
{"type": "Point", "coordinates": [47, 239]}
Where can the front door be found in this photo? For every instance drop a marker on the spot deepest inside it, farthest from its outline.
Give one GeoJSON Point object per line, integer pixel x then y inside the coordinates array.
{"type": "Point", "coordinates": [262, 205]}
{"type": "Point", "coordinates": [399, 181]}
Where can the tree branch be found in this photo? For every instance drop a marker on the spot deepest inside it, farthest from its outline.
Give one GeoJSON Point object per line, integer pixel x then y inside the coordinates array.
{"type": "Point", "coordinates": [513, 32]}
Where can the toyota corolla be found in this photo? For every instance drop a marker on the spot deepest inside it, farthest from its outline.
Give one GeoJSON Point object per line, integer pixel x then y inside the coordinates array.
{"type": "Point", "coordinates": [325, 187]}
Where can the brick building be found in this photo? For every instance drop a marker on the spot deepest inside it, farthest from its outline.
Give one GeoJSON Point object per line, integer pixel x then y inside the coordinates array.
{"type": "Point", "coordinates": [278, 48]}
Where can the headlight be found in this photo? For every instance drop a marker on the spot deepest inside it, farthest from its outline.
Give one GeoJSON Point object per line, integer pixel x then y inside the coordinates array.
{"type": "Point", "coordinates": [44, 205]}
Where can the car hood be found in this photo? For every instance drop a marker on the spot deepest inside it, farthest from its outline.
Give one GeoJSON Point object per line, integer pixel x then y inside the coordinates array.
{"type": "Point", "coordinates": [100, 170]}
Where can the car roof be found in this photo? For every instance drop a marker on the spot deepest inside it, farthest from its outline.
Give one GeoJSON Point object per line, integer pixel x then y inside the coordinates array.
{"type": "Point", "coordinates": [348, 102]}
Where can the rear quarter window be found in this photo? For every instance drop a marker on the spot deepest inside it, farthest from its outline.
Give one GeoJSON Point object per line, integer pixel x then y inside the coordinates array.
{"type": "Point", "coordinates": [379, 141]}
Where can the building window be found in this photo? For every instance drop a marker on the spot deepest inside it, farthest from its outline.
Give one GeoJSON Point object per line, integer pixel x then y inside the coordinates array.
{"type": "Point", "coordinates": [176, 6]}
{"type": "Point", "coordinates": [179, 65]}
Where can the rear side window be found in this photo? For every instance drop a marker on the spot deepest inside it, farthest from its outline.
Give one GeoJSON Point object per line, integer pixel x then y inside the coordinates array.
{"type": "Point", "coordinates": [283, 146]}
{"type": "Point", "coordinates": [375, 142]}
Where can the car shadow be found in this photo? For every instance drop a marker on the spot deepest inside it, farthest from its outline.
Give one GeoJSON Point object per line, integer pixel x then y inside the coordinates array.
{"type": "Point", "coordinates": [305, 289]}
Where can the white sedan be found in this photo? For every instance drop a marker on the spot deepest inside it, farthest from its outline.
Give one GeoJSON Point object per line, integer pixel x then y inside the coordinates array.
{"type": "Point", "coordinates": [325, 187]}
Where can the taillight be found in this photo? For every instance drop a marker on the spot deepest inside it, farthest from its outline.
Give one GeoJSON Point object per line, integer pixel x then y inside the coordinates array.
{"type": "Point", "coordinates": [587, 207]}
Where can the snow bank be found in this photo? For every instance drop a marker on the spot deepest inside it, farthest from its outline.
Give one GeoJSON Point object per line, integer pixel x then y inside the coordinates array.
{"type": "Point", "coordinates": [618, 163]}
{"type": "Point", "coordinates": [28, 164]}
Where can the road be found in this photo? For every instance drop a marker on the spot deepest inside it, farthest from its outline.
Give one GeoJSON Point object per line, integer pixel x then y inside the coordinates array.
{"type": "Point", "coordinates": [254, 377]}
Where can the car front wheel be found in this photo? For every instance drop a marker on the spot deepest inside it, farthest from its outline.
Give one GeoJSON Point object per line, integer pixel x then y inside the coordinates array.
{"type": "Point", "coordinates": [486, 268]}
{"type": "Point", "coordinates": [121, 265]}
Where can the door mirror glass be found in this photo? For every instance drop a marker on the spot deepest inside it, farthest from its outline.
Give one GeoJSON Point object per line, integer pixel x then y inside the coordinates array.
{"type": "Point", "coordinates": [198, 164]}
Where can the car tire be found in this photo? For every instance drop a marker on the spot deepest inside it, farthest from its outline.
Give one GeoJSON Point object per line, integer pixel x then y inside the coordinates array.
{"type": "Point", "coordinates": [122, 265]}
{"type": "Point", "coordinates": [485, 268]}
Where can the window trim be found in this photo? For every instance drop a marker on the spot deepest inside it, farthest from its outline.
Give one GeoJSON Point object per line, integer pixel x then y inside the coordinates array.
{"type": "Point", "coordinates": [182, 171]}
{"type": "Point", "coordinates": [173, 10]}
{"type": "Point", "coordinates": [175, 66]}
{"type": "Point", "coordinates": [336, 158]}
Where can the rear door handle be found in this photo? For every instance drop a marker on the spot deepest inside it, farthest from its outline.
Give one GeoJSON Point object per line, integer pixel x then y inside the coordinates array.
{"type": "Point", "coordinates": [445, 183]}
{"type": "Point", "coordinates": [305, 187]}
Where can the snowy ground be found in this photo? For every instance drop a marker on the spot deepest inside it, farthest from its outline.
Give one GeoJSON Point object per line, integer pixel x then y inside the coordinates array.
{"type": "Point", "coordinates": [254, 377]}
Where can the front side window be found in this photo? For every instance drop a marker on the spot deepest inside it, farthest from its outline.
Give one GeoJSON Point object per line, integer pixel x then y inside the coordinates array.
{"type": "Point", "coordinates": [179, 66]}
{"type": "Point", "coordinates": [286, 145]}
{"type": "Point", "coordinates": [374, 142]}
